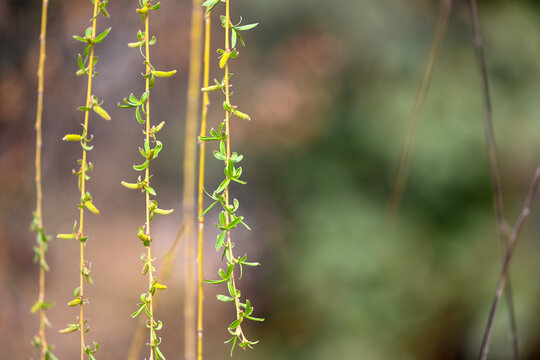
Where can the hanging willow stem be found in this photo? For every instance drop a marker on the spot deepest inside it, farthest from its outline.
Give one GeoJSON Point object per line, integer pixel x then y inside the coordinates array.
{"type": "Point", "coordinates": [202, 154]}
{"type": "Point", "coordinates": [147, 305]}
{"type": "Point", "coordinates": [228, 135]}
{"type": "Point", "coordinates": [82, 267]}
{"type": "Point", "coordinates": [164, 273]}
{"type": "Point", "coordinates": [38, 215]}
{"type": "Point", "coordinates": [147, 195]}
{"type": "Point", "coordinates": [228, 217]}
{"type": "Point", "coordinates": [194, 83]}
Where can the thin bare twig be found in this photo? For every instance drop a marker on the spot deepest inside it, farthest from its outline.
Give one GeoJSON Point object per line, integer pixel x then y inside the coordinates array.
{"type": "Point", "coordinates": [494, 169]}
{"type": "Point", "coordinates": [400, 178]}
{"type": "Point", "coordinates": [506, 263]}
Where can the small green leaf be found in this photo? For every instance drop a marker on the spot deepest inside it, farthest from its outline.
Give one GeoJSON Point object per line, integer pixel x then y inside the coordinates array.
{"type": "Point", "coordinates": [102, 36]}
{"type": "Point", "coordinates": [246, 27]}
{"type": "Point", "coordinates": [215, 281]}
{"type": "Point", "coordinates": [141, 167]}
{"type": "Point", "coordinates": [235, 323]}
{"type": "Point", "coordinates": [220, 240]}
{"type": "Point", "coordinates": [208, 208]}
{"type": "Point", "coordinates": [136, 313]}
{"type": "Point", "coordinates": [224, 298]}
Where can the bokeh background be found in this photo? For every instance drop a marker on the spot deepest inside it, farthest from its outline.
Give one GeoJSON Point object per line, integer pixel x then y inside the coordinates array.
{"type": "Point", "coordinates": [329, 86]}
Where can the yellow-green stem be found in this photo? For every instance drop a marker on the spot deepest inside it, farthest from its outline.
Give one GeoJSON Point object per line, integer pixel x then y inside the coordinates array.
{"type": "Point", "coordinates": [39, 213]}
{"type": "Point", "coordinates": [147, 195]}
{"type": "Point", "coordinates": [202, 154]}
{"type": "Point", "coordinates": [194, 83]}
{"type": "Point", "coordinates": [164, 273]}
{"type": "Point", "coordinates": [83, 178]}
{"type": "Point", "coordinates": [228, 133]}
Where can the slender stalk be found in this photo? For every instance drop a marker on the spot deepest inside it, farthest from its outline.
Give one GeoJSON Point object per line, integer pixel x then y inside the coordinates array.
{"type": "Point", "coordinates": [83, 180]}
{"type": "Point", "coordinates": [400, 178]}
{"type": "Point", "coordinates": [506, 261]}
{"type": "Point", "coordinates": [147, 305]}
{"type": "Point", "coordinates": [228, 218]}
{"type": "Point", "coordinates": [202, 154]}
{"type": "Point", "coordinates": [194, 83]}
{"type": "Point", "coordinates": [147, 195]}
{"type": "Point", "coordinates": [164, 273]}
{"type": "Point", "coordinates": [39, 193]}
{"type": "Point", "coordinates": [228, 135]}
{"type": "Point", "coordinates": [502, 225]}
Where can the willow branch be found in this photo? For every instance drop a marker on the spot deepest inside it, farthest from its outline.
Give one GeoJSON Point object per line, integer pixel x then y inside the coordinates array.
{"type": "Point", "coordinates": [506, 261]}
{"type": "Point", "coordinates": [39, 193]}
{"type": "Point", "coordinates": [82, 266]}
{"type": "Point", "coordinates": [164, 273]}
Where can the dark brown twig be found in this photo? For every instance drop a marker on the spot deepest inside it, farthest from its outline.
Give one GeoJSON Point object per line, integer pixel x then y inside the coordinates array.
{"type": "Point", "coordinates": [506, 263]}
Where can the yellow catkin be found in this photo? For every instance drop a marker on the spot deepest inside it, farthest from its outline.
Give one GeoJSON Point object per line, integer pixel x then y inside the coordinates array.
{"type": "Point", "coordinates": [66, 236]}
{"type": "Point", "coordinates": [212, 88]}
{"type": "Point", "coordinates": [91, 207]}
{"type": "Point", "coordinates": [101, 112]}
{"type": "Point", "coordinates": [133, 186]}
{"type": "Point", "coordinates": [72, 137]}
{"type": "Point", "coordinates": [240, 114]}
{"type": "Point", "coordinates": [224, 59]}
{"type": "Point", "coordinates": [164, 74]}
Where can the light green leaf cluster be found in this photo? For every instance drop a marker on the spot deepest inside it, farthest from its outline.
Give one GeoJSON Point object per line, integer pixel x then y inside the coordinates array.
{"type": "Point", "coordinates": [229, 219]}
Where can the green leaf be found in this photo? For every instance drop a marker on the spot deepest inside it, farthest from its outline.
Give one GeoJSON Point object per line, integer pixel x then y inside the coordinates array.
{"type": "Point", "coordinates": [86, 147]}
{"type": "Point", "coordinates": [136, 313]}
{"type": "Point", "coordinates": [210, 4]}
{"type": "Point", "coordinates": [224, 298]}
{"type": "Point", "coordinates": [234, 37]}
{"type": "Point", "coordinates": [102, 36]}
{"type": "Point", "coordinates": [141, 167]}
{"type": "Point", "coordinates": [158, 148]}
{"type": "Point", "coordinates": [246, 27]}
{"type": "Point", "coordinates": [220, 240]}
{"type": "Point", "coordinates": [208, 208]}
{"type": "Point", "coordinates": [218, 155]}
{"type": "Point", "coordinates": [230, 270]}
{"type": "Point", "coordinates": [235, 222]}
{"type": "Point", "coordinates": [138, 115]}
{"type": "Point", "coordinates": [159, 353]}
{"type": "Point", "coordinates": [253, 318]}
{"type": "Point", "coordinates": [223, 185]}
{"type": "Point", "coordinates": [36, 306]}
{"type": "Point", "coordinates": [235, 323]}
{"type": "Point", "coordinates": [215, 281]}
{"type": "Point", "coordinates": [80, 62]}
{"type": "Point", "coordinates": [79, 38]}
{"type": "Point", "coordinates": [231, 288]}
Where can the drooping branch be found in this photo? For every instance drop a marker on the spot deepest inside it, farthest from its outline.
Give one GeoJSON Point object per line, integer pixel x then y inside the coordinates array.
{"type": "Point", "coordinates": [514, 237]}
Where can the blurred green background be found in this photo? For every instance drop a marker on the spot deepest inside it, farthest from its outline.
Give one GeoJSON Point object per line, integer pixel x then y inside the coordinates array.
{"type": "Point", "coordinates": [329, 86]}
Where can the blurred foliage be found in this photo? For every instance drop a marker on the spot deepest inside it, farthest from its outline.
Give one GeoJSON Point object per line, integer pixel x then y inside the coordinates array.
{"type": "Point", "coordinates": [329, 86]}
